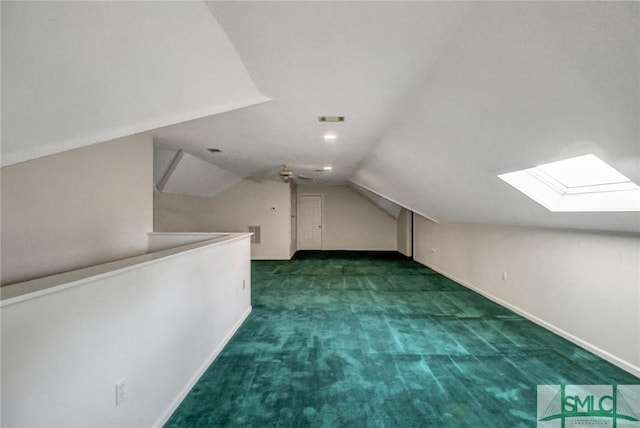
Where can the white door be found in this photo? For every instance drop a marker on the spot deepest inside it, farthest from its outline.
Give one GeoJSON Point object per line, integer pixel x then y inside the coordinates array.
{"type": "Point", "coordinates": [310, 222]}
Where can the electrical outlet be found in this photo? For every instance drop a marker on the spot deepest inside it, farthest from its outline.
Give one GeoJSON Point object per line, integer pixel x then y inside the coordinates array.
{"type": "Point", "coordinates": [504, 276]}
{"type": "Point", "coordinates": [433, 250]}
{"type": "Point", "coordinates": [120, 393]}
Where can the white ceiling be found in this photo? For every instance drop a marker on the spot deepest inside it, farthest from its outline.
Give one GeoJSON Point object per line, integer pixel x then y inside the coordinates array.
{"type": "Point", "coordinates": [360, 60]}
{"type": "Point", "coordinates": [193, 176]}
{"type": "Point", "coordinates": [439, 98]}
{"type": "Point", "coordinates": [522, 84]}
{"type": "Point", "coordinates": [78, 73]}
{"type": "Point", "coordinates": [389, 207]}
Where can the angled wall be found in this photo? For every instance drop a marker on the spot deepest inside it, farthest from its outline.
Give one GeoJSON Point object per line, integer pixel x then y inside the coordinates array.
{"type": "Point", "coordinates": [520, 84]}
{"type": "Point", "coordinates": [190, 175]}
{"type": "Point", "coordinates": [86, 72]}
{"type": "Point", "coordinates": [384, 204]}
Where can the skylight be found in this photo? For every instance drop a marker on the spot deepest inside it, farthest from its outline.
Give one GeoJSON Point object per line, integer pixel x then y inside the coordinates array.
{"type": "Point", "coordinates": [584, 183]}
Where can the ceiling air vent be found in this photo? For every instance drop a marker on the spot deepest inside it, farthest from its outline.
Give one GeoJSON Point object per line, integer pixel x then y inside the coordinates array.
{"type": "Point", "coordinates": [331, 118]}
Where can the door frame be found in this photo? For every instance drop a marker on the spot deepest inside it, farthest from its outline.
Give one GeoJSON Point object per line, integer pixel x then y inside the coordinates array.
{"type": "Point", "coordinates": [321, 218]}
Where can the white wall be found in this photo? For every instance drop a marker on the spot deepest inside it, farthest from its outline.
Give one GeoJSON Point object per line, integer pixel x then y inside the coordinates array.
{"type": "Point", "coordinates": [174, 212]}
{"type": "Point", "coordinates": [77, 73]}
{"type": "Point", "coordinates": [194, 176]}
{"type": "Point", "coordinates": [77, 208]}
{"type": "Point", "coordinates": [405, 232]}
{"type": "Point", "coordinates": [384, 204]}
{"type": "Point", "coordinates": [159, 241]}
{"type": "Point", "coordinates": [582, 285]}
{"type": "Point", "coordinates": [156, 326]}
{"type": "Point", "coordinates": [247, 203]}
{"type": "Point", "coordinates": [351, 222]}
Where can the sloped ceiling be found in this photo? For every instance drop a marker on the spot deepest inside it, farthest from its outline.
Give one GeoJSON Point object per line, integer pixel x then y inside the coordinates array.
{"type": "Point", "coordinates": [439, 97]}
{"type": "Point", "coordinates": [356, 59]}
{"type": "Point", "coordinates": [389, 207]}
{"type": "Point", "coordinates": [77, 73]}
{"type": "Point", "coordinates": [520, 85]}
{"type": "Point", "coordinates": [193, 176]}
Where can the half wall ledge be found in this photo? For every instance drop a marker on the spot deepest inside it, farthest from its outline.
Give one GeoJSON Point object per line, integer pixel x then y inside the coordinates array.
{"type": "Point", "coordinates": [147, 326]}
{"type": "Point", "coordinates": [178, 244]}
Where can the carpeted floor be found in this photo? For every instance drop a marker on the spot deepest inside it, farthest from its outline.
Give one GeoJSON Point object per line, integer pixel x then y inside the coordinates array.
{"type": "Point", "coordinates": [374, 340]}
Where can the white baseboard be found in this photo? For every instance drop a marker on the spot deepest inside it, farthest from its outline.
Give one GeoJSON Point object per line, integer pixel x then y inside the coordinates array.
{"type": "Point", "coordinates": [183, 393]}
{"type": "Point", "coordinates": [624, 365]}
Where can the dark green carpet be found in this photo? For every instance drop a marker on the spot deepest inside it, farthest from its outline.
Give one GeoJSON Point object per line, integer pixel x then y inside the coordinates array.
{"type": "Point", "coordinates": [374, 340]}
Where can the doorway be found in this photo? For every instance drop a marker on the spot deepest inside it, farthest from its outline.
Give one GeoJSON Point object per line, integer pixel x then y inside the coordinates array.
{"type": "Point", "coordinates": [310, 222]}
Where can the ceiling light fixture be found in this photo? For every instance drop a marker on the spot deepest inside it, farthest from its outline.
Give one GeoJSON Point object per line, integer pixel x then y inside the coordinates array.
{"type": "Point", "coordinates": [584, 183]}
{"type": "Point", "coordinates": [327, 168]}
{"type": "Point", "coordinates": [330, 137]}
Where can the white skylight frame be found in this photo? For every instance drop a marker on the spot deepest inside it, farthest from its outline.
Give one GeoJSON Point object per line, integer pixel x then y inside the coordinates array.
{"type": "Point", "coordinates": [582, 184]}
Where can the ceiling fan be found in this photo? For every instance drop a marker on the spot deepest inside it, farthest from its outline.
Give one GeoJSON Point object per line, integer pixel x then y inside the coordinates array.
{"type": "Point", "coordinates": [288, 175]}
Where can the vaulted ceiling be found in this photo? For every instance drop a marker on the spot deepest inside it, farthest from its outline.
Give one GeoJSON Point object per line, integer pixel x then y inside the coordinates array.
{"type": "Point", "coordinates": [439, 97]}
{"type": "Point", "coordinates": [360, 60]}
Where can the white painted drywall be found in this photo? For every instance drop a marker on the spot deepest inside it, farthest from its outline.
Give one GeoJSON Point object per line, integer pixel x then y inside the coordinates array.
{"type": "Point", "coordinates": [519, 85]}
{"type": "Point", "coordinates": [194, 176]}
{"type": "Point", "coordinates": [156, 327]}
{"type": "Point", "coordinates": [247, 203]}
{"type": "Point", "coordinates": [362, 59]}
{"type": "Point", "coordinates": [77, 73]}
{"type": "Point", "coordinates": [583, 285]}
{"type": "Point", "coordinates": [162, 160]}
{"type": "Point", "coordinates": [159, 241]}
{"type": "Point", "coordinates": [351, 222]}
{"type": "Point", "coordinates": [384, 204]}
{"type": "Point", "coordinates": [77, 208]}
{"type": "Point", "coordinates": [405, 231]}
{"type": "Point", "coordinates": [173, 212]}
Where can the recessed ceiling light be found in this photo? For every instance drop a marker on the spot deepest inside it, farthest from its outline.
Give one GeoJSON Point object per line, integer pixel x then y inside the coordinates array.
{"type": "Point", "coordinates": [330, 137]}
{"type": "Point", "coordinates": [584, 183]}
{"type": "Point", "coordinates": [331, 118]}
{"type": "Point", "coordinates": [327, 168]}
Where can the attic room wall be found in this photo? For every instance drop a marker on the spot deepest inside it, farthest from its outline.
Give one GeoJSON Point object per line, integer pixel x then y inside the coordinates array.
{"type": "Point", "coordinates": [246, 203]}
{"type": "Point", "coordinates": [582, 285]}
{"type": "Point", "coordinates": [175, 212]}
{"type": "Point", "coordinates": [351, 222]}
{"type": "Point", "coordinates": [77, 208]}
